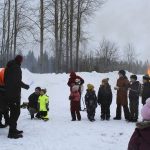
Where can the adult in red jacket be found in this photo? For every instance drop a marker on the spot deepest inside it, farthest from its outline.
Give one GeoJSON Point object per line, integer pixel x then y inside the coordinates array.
{"type": "Point", "coordinates": [76, 80]}
{"type": "Point", "coordinates": [72, 80]}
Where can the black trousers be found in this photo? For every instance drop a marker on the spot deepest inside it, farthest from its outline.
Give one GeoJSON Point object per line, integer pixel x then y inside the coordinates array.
{"type": "Point", "coordinates": [4, 114]}
{"type": "Point", "coordinates": [105, 111]}
{"type": "Point", "coordinates": [14, 116]}
{"type": "Point", "coordinates": [90, 113]}
{"type": "Point", "coordinates": [76, 114]}
{"type": "Point", "coordinates": [126, 111]}
{"type": "Point", "coordinates": [134, 108]}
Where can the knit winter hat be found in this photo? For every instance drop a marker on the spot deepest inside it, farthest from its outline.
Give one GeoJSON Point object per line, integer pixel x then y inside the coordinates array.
{"type": "Point", "coordinates": [145, 112]}
{"type": "Point", "coordinates": [75, 88]}
{"type": "Point", "coordinates": [38, 88]}
{"type": "Point", "coordinates": [90, 86]}
{"type": "Point", "coordinates": [19, 59]}
{"type": "Point", "coordinates": [122, 72]}
{"type": "Point", "coordinates": [72, 74]}
{"type": "Point", "coordinates": [146, 77]}
{"type": "Point", "coordinates": [105, 80]}
{"type": "Point", "coordinates": [133, 77]}
{"type": "Point", "coordinates": [44, 90]}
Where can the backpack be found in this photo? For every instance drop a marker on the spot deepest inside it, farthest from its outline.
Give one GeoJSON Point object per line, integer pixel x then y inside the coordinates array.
{"type": "Point", "coordinates": [2, 71]}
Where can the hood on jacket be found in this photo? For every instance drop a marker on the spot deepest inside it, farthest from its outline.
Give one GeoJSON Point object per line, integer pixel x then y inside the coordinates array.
{"type": "Point", "coordinates": [143, 125]}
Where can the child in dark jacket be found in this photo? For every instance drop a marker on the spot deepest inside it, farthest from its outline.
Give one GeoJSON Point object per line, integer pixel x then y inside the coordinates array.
{"type": "Point", "coordinates": [33, 102]}
{"type": "Point", "coordinates": [134, 93]}
{"type": "Point", "coordinates": [145, 89]}
{"type": "Point", "coordinates": [105, 99]}
{"type": "Point", "coordinates": [75, 103]}
{"type": "Point", "coordinates": [91, 102]}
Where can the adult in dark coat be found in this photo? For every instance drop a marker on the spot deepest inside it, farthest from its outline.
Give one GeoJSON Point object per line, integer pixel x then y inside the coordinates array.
{"type": "Point", "coordinates": [122, 96]}
{"type": "Point", "coordinates": [145, 89]}
{"type": "Point", "coordinates": [134, 93]}
{"type": "Point", "coordinates": [33, 102]}
{"type": "Point", "coordinates": [105, 99]}
{"type": "Point", "coordinates": [13, 85]}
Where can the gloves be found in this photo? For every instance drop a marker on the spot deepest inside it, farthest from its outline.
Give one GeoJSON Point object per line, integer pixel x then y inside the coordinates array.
{"type": "Point", "coordinates": [26, 87]}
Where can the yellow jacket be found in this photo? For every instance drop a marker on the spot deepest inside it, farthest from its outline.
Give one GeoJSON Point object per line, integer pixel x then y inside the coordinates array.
{"type": "Point", "coordinates": [43, 102]}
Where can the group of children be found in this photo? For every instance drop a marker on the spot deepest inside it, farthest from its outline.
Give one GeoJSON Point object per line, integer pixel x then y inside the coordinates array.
{"type": "Point", "coordinates": [128, 89]}
{"type": "Point", "coordinates": [38, 105]}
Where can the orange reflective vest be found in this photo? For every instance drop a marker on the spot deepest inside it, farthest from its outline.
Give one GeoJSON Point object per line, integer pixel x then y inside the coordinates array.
{"type": "Point", "coordinates": [2, 76]}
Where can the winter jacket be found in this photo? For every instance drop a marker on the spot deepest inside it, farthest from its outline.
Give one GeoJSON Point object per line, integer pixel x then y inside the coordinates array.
{"type": "Point", "coordinates": [3, 103]}
{"type": "Point", "coordinates": [72, 80]}
{"type": "Point", "coordinates": [145, 92]}
{"type": "Point", "coordinates": [75, 96]}
{"type": "Point", "coordinates": [91, 99]}
{"type": "Point", "coordinates": [140, 139]}
{"type": "Point", "coordinates": [105, 95]}
{"type": "Point", "coordinates": [43, 102]}
{"type": "Point", "coordinates": [2, 77]}
{"type": "Point", "coordinates": [33, 101]}
{"type": "Point", "coordinates": [13, 82]}
{"type": "Point", "coordinates": [122, 93]}
{"type": "Point", "coordinates": [135, 90]}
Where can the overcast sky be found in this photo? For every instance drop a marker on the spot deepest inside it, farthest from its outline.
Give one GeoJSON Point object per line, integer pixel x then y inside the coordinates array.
{"type": "Point", "coordinates": [123, 21]}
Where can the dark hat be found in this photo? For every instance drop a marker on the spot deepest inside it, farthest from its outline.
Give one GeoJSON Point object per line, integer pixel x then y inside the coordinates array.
{"type": "Point", "coordinates": [44, 90]}
{"type": "Point", "coordinates": [146, 77]}
{"type": "Point", "coordinates": [133, 77]}
{"type": "Point", "coordinates": [72, 74]}
{"type": "Point", "coordinates": [19, 59]}
{"type": "Point", "coordinates": [122, 72]}
{"type": "Point", "coordinates": [38, 88]}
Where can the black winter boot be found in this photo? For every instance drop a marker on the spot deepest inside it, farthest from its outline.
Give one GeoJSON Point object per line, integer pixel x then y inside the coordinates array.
{"type": "Point", "coordinates": [2, 126]}
{"type": "Point", "coordinates": [32, 117]}
{"type": "Point", "coordinates": [14, 136]}
{"type": "Point", "coordinates": [18, 132]}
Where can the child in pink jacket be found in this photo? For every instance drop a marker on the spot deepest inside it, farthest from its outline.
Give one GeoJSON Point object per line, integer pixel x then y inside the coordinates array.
{"type": "Point", "coordinates": [75, 103]}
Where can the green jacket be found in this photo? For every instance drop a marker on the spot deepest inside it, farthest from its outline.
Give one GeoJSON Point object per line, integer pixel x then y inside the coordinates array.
{"type": "Point", "coordinates": [43, 103]}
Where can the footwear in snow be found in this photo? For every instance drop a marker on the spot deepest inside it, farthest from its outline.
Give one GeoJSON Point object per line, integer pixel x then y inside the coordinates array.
{"type": "Point", "coordinates": [19, 132]}
{"type": "Point", "coordinates": [117, 118]}
{"type": "Point", "coordinates": [14, 136]}
{"type": "Point", "coordinates": [2, 126]}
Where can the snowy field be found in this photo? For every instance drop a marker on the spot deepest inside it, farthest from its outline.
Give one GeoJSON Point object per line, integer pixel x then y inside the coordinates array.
{"type": "Point", "coordinates": [59, 133]}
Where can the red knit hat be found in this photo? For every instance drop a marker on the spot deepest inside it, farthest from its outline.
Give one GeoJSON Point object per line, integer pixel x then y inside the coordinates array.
{"type": "Point", "coordinates": [19, 59]}
{"type": "Point", "coordinates": [72, 74]}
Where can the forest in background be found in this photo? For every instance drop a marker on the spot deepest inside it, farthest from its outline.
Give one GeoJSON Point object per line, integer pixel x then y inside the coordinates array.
{"type": "Point", "coordinates": [55, 30]}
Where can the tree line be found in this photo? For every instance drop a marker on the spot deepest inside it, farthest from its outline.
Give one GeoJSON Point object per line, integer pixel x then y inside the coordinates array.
{"type": "Point", "coordinates": [55, 30]}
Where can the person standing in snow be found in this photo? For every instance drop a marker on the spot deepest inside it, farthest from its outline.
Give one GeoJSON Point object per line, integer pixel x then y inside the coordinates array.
{"type": "Point", "coordinates": [145, 89]}
{"type": "Point", "coordinates": [33, 102]}
{"type": "Point", "coordinates": [43, 104]}
{"type": "Point", "coordinates": [134, 93]}
{"type": "Point", "coordinates": [91, 102]}
{"type": "Point", "coordinates": [75, 103]}
{"type": "Point", "coordinates": [76, 80]}
{"type": "Point", "coordinates": [140, 140]}
{"type": "Point", "coordinates": [4, 112]}
{"type": "Point", "coordinates": [122, 96]}
{"type": "Point", "coordinates": [13, 84]}
{"type": "Point", "coordinates": [105, 99]}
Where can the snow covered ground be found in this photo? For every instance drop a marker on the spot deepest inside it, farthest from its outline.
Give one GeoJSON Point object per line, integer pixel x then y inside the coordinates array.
{"type": "Point", "coordinates": [60, 133]}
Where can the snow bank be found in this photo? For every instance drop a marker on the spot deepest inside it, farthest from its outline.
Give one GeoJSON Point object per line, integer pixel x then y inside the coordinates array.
{"type": "Point", "coordinates": [60, 132]}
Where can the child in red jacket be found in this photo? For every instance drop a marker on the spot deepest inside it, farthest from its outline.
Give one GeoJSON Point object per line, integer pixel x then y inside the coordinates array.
{"type": "Point", "coordinates": [75, 103]}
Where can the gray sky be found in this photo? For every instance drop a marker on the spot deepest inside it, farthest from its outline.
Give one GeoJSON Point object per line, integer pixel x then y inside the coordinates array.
{"type": "Point", "coordinates": [123, 21]}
